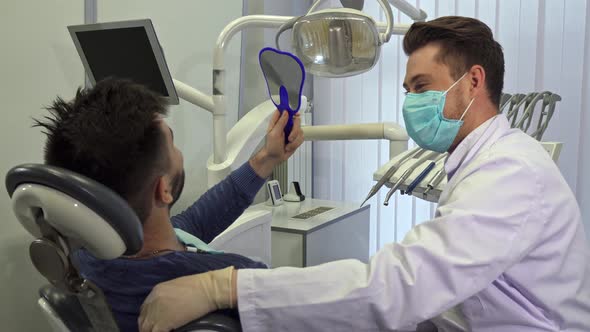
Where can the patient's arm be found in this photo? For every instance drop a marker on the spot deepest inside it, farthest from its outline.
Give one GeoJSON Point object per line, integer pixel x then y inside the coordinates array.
{"type": "Point", "coordinates": [221, 205]}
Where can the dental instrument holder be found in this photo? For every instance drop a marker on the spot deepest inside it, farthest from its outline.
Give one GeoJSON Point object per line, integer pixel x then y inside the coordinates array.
{"type": "Point", "coordinates": [390, 173]}
{"type": "Point", "coordinates": [284, 75]}
{"type": "Point", "coordinates": [409, 168]}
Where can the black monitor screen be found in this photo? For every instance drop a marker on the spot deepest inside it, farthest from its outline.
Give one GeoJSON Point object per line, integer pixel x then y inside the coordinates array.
{"type": "Point", "coordinates": [123, 53]}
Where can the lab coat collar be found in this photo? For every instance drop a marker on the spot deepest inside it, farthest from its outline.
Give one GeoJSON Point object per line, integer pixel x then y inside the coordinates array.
{"type": "Point", "coordinates": [473, 143]}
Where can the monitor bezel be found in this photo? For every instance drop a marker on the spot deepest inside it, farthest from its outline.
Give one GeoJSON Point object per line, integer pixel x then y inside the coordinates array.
{"type": "Point", "coordinates": [172, 97]}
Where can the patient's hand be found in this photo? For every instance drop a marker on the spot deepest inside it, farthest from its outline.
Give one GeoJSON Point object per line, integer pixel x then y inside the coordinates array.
{"type": "Point", "coordinates": [174, 303]}
{"type": "Point", "coordinates": [275, 150]}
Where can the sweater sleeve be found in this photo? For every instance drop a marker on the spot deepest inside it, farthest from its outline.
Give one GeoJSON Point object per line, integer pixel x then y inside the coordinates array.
{"type": "Point", "coordinates": [221, 205]}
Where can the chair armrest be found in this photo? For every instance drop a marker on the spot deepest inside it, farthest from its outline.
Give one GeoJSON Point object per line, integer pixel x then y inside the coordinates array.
{"type": "Point", "coordinates": [218, 321]}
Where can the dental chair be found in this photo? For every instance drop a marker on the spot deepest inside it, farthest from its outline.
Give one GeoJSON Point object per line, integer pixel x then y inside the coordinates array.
{"type": "Point", "coordinates": [65, 211]}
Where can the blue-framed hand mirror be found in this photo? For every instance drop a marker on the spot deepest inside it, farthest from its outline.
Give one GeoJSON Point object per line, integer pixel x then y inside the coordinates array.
{"type": "Point", "coordinates": [284, 74]}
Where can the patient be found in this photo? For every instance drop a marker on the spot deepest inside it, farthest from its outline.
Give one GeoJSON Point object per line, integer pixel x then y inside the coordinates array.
{"type": "Point", "coordinates": [115, 134]}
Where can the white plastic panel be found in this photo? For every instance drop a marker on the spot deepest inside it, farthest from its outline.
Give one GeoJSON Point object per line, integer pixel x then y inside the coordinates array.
{"type": "Point", "coordinates": [249, 236]}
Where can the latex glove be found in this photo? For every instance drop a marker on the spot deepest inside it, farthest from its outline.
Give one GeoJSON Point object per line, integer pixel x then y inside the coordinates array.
{"type": "Point", "coordinates": [176, 302]}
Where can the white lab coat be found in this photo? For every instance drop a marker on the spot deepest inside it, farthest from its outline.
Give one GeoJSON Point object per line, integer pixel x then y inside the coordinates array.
{"type": "Point", "coordinates": [506, 252]}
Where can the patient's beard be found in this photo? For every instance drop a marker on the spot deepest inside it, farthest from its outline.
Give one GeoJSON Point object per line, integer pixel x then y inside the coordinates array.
{"type": "Point", "coordinates": [177, 186]}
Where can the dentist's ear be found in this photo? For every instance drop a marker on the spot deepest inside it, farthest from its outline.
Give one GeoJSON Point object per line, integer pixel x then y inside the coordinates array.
{"type": "Point", "coordinates": [477, 75]}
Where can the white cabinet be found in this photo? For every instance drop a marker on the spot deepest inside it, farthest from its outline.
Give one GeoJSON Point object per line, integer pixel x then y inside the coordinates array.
{"type": "Point", "coordinates": [301, 239]}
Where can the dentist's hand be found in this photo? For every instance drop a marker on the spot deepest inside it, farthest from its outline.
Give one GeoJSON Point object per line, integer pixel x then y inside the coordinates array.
{"type": "Point", "coordinates": [176, 302]}
{"type": "Point", "coordinates": [275, 151]}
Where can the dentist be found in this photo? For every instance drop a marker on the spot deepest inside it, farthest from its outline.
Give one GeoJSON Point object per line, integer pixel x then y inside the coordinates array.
{"type": "Point", "coordinates": [506, 250]}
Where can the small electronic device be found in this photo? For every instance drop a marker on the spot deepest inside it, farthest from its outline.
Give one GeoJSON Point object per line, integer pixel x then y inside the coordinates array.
{"type": "Point", "coordinates": [274, 193]}
{"type": "Point", "coordinates": [294, 194]}
{"type": "Point", "coordinates": [126, 49]}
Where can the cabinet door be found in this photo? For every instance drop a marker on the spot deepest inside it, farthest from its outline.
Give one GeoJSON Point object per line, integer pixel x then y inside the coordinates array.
{"type": "Point", "coordinates": [287, 249]}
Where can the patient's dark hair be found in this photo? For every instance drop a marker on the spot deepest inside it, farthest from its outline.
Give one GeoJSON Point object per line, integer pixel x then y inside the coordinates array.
{"type": "Point", "coordinates": [110, 134]}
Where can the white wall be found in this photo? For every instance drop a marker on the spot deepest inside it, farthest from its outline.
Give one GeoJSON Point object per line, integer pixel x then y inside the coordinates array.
{"type": "Point", "coordinates": [40, 62]}
{"type": "Point", "coordinates": [546, 47]}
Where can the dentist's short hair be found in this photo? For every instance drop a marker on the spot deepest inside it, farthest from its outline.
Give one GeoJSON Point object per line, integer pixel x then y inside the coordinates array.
{"type": "Point", "coordinates": [464, 42]}
{"type": "Point", "coordinates": [110, 133]}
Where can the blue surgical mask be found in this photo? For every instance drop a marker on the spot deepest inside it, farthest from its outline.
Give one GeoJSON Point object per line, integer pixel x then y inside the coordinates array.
{"type": "Point", "coordinates": [425, 120]}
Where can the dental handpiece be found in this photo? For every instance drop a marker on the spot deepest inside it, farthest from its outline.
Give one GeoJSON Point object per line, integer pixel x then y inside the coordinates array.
{"type": "Point", "coordinates": [405, 175]}
{"type": "Point", "coordinates": [420, 178]}
{"type": "Point", "coordinates": [396, 186]}
{"type": "Point", "coordinates": [436, 180]}
{"type": "Point", "coordinates": [390, 173]}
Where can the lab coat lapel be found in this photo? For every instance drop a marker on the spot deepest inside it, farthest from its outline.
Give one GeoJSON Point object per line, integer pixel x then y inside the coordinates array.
{"type": "Point", "coordinates": [476, 142]}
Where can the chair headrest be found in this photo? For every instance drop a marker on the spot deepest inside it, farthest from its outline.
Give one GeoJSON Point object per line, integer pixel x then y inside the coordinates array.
{"type": "Point", "coordinates": [77, 207]}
